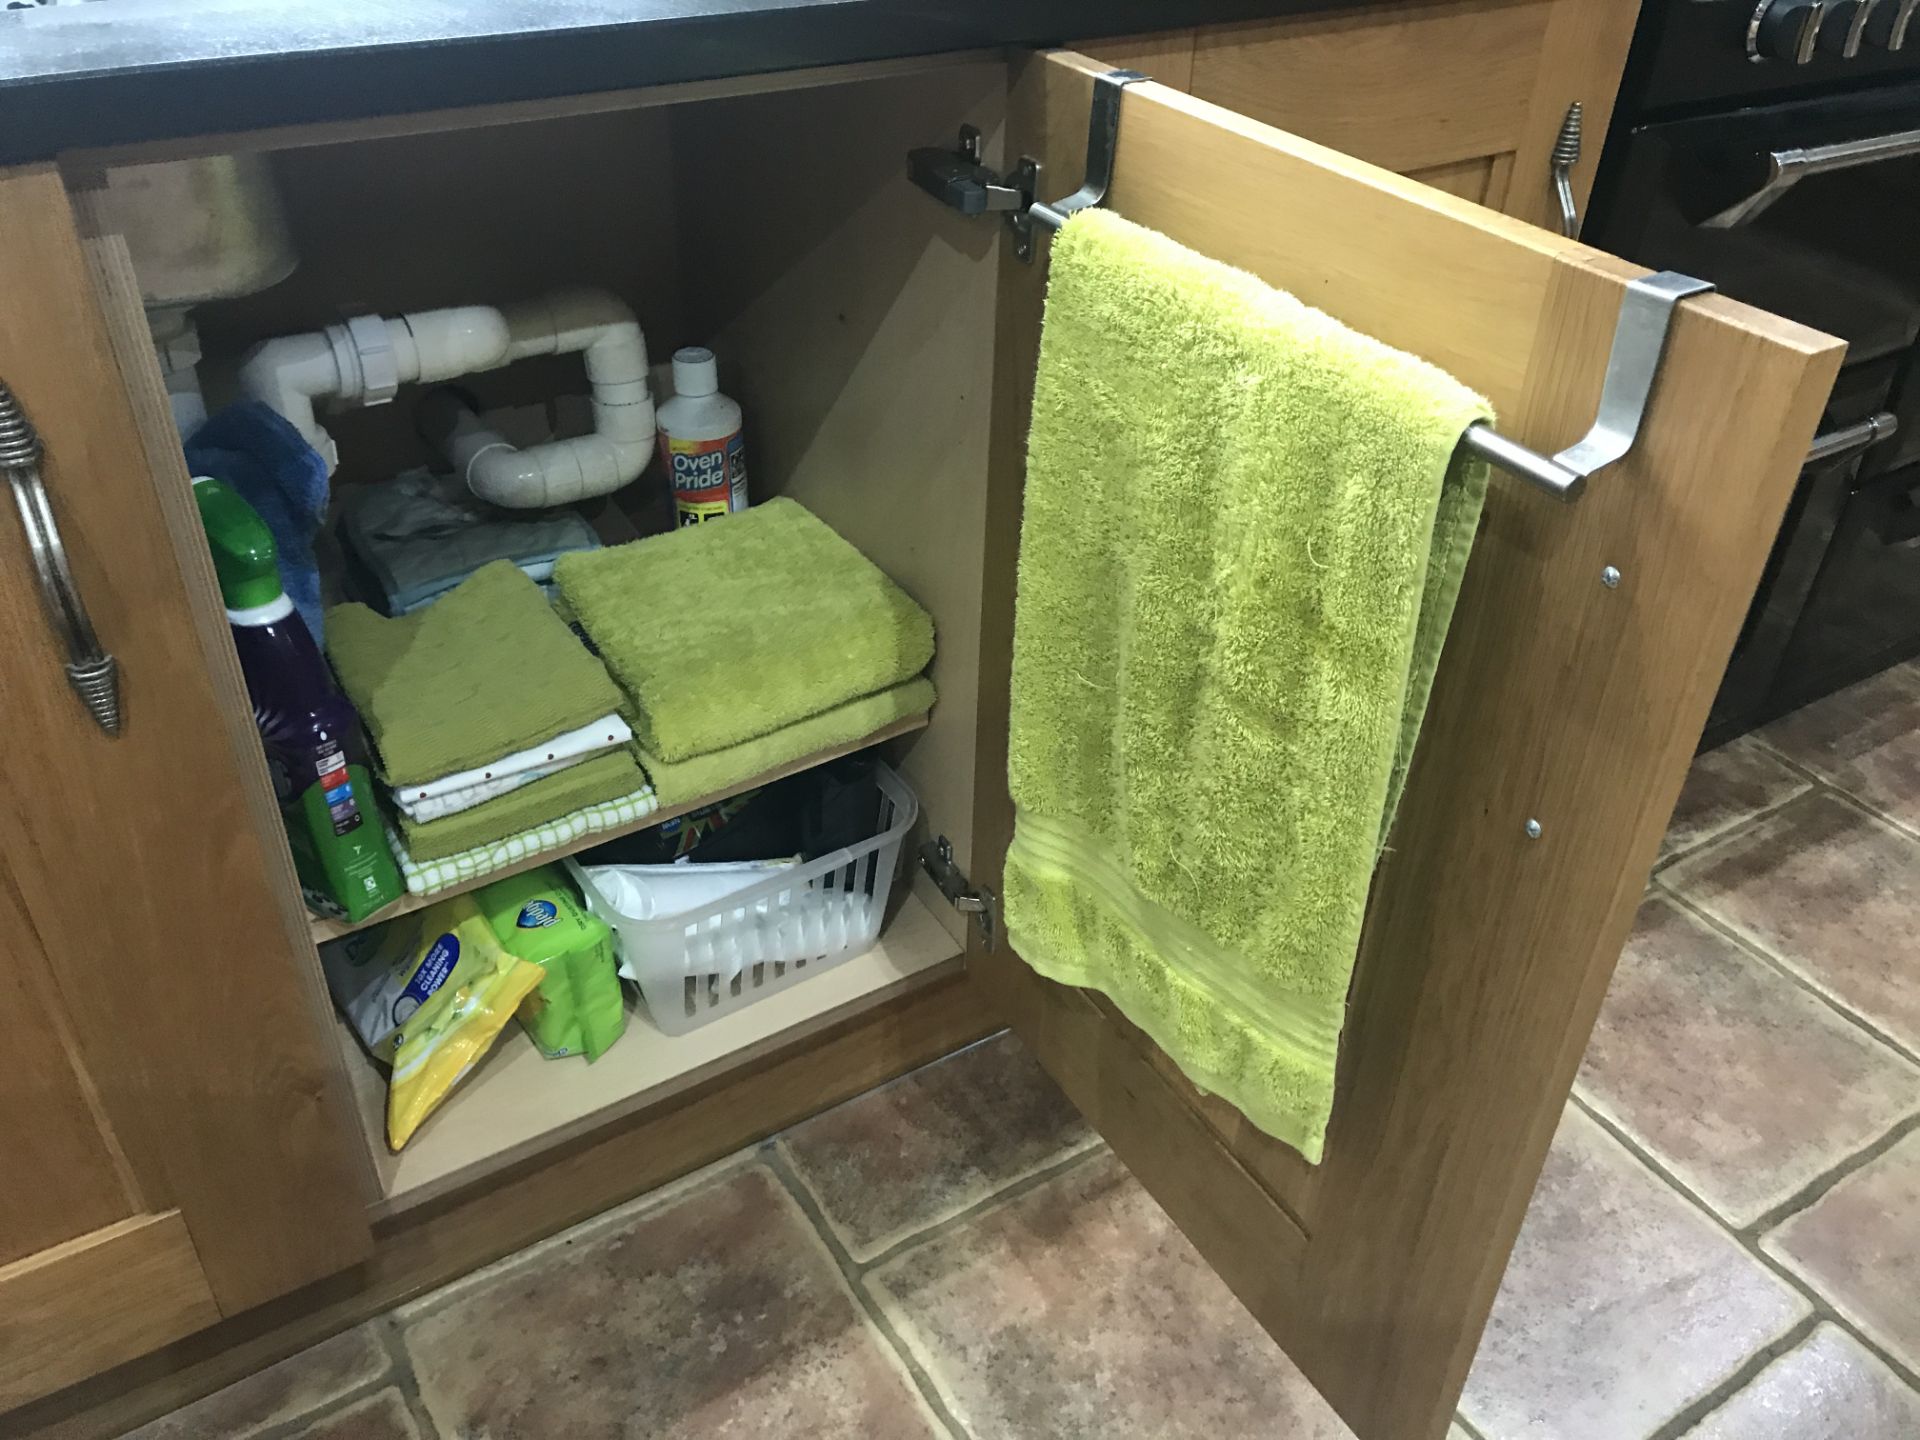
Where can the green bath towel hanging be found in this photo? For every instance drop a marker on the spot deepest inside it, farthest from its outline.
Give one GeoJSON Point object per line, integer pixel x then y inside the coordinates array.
{"type": "Point", "coordinates": [1245, 531]}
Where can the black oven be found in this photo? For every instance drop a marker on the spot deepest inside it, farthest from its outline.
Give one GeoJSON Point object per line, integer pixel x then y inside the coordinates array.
{"type": "Point", "coordinates": [1787, 171]}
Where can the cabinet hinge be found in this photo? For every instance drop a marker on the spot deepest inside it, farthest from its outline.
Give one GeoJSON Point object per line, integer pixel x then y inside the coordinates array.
{"type": "Point", "coordinates": [958, 179]}
{"type": "Point", "coordinates": [936, 858]}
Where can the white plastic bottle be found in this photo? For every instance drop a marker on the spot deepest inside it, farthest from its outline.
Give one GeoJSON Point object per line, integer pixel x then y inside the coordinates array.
{"type": "Point", "coordinates": [700, 442]}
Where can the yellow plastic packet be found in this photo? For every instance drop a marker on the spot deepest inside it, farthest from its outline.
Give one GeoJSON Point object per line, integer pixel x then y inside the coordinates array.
{"type": "Point", "coordinates": [446, 1037]}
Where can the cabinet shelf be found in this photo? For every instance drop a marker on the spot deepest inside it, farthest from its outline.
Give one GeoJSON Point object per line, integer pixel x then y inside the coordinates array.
{"type": "Point", "coordinates": [330, 929]}
{"type": "Point", "coordinates": [518, 1103]}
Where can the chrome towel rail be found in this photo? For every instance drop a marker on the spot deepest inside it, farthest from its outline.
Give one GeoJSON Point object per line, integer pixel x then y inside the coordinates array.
{"type": "Point", "coordinates": [959, 179]}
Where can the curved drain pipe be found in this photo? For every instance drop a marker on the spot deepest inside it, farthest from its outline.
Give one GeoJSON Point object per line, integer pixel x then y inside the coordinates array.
{"type": "Point", "coordinates": [365, 360]}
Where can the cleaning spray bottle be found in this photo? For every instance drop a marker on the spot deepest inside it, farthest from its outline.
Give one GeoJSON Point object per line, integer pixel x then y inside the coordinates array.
{"type": "Point", "coordinates": [311, 733]}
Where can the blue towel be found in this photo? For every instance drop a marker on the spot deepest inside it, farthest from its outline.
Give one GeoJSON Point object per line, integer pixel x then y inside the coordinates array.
{"type": "Point", "coordinates": [257, 452]}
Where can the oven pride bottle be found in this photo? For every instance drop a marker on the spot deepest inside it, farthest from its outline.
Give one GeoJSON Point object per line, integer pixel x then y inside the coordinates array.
{"type": "Point", "coordinates": [700, 442]}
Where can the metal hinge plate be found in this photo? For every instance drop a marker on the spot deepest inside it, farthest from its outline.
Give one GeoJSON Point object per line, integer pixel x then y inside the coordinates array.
{"type": "Point", "coordinates": [936, 858]}
{"type": "Point", "coordinates": [958, 179]}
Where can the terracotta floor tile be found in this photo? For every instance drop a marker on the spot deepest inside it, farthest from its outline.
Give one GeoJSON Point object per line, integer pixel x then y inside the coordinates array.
{"type": "Point", "coordinates": [717, 1315]}
{"type": "Point", "coordinates": [1829, 1387]}
{"type": "Point", "coordinates": [1726, 786]}
{"type": "Point", "coordinates": [1832, 893]}
{"type": "Point", "coordinates": [1622, 1305]}
{"type": "Point", "coordinates": [619, 1217]}
{"type": "Point", "coordinates": [1690, 1058]}
{"type": "Point", "coordinates": [1859, 1246]}
{"type": "Point", "coordinates": [381, 1416]}
{"type": "Point", "coordinates": [296, 1386]}
{"type": "Point", "coordinates": [1077, 1310]}
{"type": "Point", "coordinates": [1865, 740]}
{"type": "Point", "coordinates": [902, 1157]}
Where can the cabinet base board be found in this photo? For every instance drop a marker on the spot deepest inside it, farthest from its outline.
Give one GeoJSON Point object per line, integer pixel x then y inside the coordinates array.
{"type": "Point", "coordinates": [421, 1249]}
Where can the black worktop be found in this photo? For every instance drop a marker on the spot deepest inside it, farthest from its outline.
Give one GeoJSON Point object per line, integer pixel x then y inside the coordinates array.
{"type": "Point", "coordinates": [123, 71]}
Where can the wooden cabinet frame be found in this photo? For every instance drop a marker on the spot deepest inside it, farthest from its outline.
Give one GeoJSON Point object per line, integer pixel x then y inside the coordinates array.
{"type": "Point", "coordinates": [1486, 953]}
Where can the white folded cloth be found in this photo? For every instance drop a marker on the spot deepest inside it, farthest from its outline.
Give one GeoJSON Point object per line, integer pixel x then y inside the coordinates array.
{"type": "Point", "coordinates": [463, 789]}
{"type": "Point", "coordinates": [421, 808]}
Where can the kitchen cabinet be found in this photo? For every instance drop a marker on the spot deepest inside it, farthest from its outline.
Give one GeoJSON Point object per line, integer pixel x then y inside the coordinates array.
{"type": "Point", "coordinates": [1462, 95]}
{"type": "Point", "coordinates": [883, 348]}
{"type": "Point", "coordinates": [175, 1146]}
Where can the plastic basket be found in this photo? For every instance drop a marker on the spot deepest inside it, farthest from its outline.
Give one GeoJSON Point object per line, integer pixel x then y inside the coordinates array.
{"type": "Point", "coordinates": [700, 964]}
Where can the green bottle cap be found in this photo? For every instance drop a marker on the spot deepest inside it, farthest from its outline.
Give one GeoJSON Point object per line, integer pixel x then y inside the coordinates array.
{"type": "Point", "coordinates": [243, 553]}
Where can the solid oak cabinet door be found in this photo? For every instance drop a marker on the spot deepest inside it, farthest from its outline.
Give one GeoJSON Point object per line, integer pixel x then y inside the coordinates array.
{"type": "Point", "coordinates": [174, 1145]}
{"type": "Point", "coordinates": [1560, 700]}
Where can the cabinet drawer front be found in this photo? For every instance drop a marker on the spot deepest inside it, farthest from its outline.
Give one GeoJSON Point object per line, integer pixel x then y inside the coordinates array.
{"type": "Point", "coordinates": [1560, 699]}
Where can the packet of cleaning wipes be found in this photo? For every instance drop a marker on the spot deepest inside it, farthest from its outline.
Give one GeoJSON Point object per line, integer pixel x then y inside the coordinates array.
{"type": "Point", "coordinates": [427, 993]}
{"type": "Point", "coordinates": [578, 1009]}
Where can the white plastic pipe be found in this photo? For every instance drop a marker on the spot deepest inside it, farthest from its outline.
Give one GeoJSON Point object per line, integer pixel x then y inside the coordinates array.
{"type": "Point", "coordinates": [365, 360]}
{"type": "Point", "coordinates": [288, 374]}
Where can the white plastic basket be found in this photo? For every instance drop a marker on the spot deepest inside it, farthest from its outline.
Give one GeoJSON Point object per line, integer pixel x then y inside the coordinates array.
{"type": "Point", "coordinates": [700, 964]}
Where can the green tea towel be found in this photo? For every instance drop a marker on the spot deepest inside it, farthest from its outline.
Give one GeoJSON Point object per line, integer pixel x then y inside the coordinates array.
{"type": "Point", "coordinates": [733, 629]}
{"type": "Point", "coordinates": [1244, 533]}
{"type": "Point", "coordinates": [430, 877]}
{"type": "Point", "coordinates": [604, 777]}
{"type": "Point", "coordinates": [487, 669]}
{"type": "Point", "coordinates": [678, 781]}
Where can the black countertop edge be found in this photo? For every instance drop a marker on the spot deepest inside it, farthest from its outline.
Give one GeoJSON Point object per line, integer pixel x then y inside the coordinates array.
{"type": "Point", "coordinates": [123, 72]}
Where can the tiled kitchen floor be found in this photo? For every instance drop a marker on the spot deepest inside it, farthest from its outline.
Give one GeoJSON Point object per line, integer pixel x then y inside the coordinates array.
{"type": "Point", "coordinates": [1725, 1244]}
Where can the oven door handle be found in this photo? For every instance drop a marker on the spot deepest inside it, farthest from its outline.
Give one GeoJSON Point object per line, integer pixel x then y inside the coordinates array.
{"type": "Point", "coordinates": [1848, 440]}
{"type": "Point", "coordinates": [1787, 168]}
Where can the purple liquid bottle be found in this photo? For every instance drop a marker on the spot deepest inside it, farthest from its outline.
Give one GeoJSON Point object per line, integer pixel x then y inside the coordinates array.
{"type": "Point", "coordinates": [310, 731]}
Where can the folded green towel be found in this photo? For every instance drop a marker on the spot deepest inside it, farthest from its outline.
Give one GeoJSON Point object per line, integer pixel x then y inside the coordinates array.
{"type": "Point", "coordinates": [733, 629]}
{"type": "Point", "coordinates": [677, 782]}
{"type": "Point", "coordinates": [1243, 538]}
{"type": "Point", "coordinates": [487, 669]}
{"type": "Point", "coordinates": [604, 777]}
{"type": "Point", "coordinates": [430, 877]}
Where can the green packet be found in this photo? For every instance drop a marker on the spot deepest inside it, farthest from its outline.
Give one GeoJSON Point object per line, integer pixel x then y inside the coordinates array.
{"type": "Point", "coordinates": [578, 1009]}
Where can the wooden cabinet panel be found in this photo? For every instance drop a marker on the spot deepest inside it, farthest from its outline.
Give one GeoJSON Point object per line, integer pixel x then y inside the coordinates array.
{"type": "Point", "coordinates": [1405, 86]}
{"type": "Point", "coordinates": [1486, 953]}
{"type": "Point", "coordinates": [1483, 179]}
{"type": "Point", "coordinates": [1464, 95]}
{"type": "Point", "coordinates": [63, 1174]}
{"type": "Point", "coordinates": [169, 1008]}
{"type": "Point", "coordinates": [139, 1281]}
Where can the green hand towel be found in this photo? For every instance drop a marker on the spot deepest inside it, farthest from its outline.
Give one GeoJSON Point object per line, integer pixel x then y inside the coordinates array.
{"type": "Point", "coordinates": [729, 630]}
{"type": "Point", "coordinates": [485, 670]}
{"type": "Point", "coordinates": [1243, 538]}
{"type": "Point", "coordinates": [604, 777]}
{"type": "Point", "coordinates": [678, 781]}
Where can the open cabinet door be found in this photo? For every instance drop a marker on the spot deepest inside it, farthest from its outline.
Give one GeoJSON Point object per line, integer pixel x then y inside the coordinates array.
{"type": "Point", "coordinates": [1560, 699]}
{"type": "Point", "coordinates": [174, 1139]}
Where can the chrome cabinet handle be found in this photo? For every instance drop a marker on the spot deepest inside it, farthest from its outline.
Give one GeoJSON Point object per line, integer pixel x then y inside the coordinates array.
{"type": "Point", "coordinates": [1787, 168]}
{"type": "Point", "coordinates": [91, 671]}
{"type": "Point", "coordinates": [1566, 155]}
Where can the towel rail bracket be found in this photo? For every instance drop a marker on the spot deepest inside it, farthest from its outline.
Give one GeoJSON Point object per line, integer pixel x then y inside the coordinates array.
{"type": "Point", "coordinates": [960, 179]}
